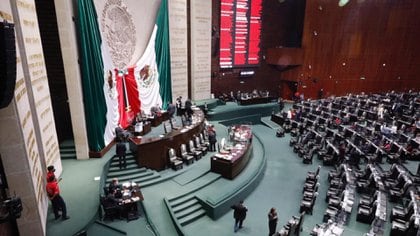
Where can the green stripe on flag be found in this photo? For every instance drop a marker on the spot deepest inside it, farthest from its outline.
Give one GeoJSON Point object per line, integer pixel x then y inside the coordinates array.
{"type": "Point", "coordinates": [163, 57]}
{"type": "Point", "coordinates": [92, 74]}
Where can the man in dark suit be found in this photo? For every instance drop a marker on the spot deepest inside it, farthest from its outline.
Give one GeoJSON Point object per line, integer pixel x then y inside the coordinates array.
{"type": "Point", "coordinates": [171, 109]}
{"type": "Point", "coordinates": [188, 108]}
{"type": "Point", "coordinates": [121, 151]}
{"type": "Point", "coordinates": [239, 214]}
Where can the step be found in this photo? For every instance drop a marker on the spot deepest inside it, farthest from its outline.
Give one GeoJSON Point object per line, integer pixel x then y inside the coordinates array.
{"type": "Point", "coordinates": [116, 163]}
{"type": "Point", "coordinates": [131, 177]}
{"type": "Point", "coordinates": [129, 166]}
{"type": "Point", "coordinates": [68, 156]}
{"type": "Point", "coordinates": [139, 181]}
{"type": "Point", "coordinates": [67, 150]}
{"type": "Point", "coordinates": [152, 181]}
{"type": "Point", "coordinates": [184, 205]}
{"type": "Point", "coordinates": [192, 217]}
{"type": "Point", "coordinates": [115, 159]}
{"type": "Point", "coordinates": [188, 211]}
{"type": "Point", "coordinates": [181, 200]}
{"type": "Point", "coordinates": [126, 171]}
{"type": "Point", "coordinates": [66, 144]}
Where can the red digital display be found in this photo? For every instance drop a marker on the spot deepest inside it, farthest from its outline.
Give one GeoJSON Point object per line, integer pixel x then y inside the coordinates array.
{"type": "Point", "coordinates": [240, 30]}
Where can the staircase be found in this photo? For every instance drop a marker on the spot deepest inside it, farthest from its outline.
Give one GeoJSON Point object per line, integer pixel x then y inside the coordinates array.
{"type": "Point", "coordinates": [187, 209]}
{"type": "Point", "coordinates": [68, 150]}
{"type": "Point", "coordinates": [131, 173]}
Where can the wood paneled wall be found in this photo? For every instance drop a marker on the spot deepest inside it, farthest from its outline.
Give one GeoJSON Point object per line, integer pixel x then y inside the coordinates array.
{"type": "Point", "coordinates": [377, 40]}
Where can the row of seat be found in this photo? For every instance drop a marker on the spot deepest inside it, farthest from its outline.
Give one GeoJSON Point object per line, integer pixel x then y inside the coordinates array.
{"type": "Point", "coordinates": [197, 148]}
{"type": "Point", "coordinates": [404, 218]}
{"type": "Point", "coordinates": [340, 195]}
{"type": "Point", "coordinates": [319, 117]}
{"type": "Point", "coordinates": [310, 191]}
{"type": "Point", "coordinates": [293, 226]}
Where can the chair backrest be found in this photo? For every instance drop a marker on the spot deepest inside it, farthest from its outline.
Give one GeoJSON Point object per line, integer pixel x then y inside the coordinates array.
{"type": "Point", "coordinates": [197, 141]}
{"type": "Point", "coordinates": [223, 143]}
{"type": "Point", "coordinates": [172, 153]}
{"type": "Point", "coordinates": [191, 146]}
{"type": "Point", "coordinates": [183, 149]}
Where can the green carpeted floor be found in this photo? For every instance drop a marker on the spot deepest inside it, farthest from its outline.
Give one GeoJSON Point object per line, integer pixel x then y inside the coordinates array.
{"type": "Point", "coordinates": [280, 187]}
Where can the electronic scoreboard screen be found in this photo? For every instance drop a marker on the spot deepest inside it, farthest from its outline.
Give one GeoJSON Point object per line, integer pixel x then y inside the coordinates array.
{"type": "Point", "coordinates": [240, 31]}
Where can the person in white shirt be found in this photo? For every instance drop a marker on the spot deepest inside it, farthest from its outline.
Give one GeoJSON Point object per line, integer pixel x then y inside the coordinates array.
{"type": "Point", "coordinates": [381, 112]}
{"type": "Point", "coordinates": [289, 114]}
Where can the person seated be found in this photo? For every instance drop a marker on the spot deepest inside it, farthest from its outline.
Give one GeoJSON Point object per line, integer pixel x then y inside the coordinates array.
{"type": "Point", "coordinates": [111, 200]}
{"type": "Point", "coordinates": [289, 114]}
{"type": "Point", "coordinates": [141, 116]}
{"type": "Point", "coordinates": [387, 147]}
{"type": "Point", "coordinates": [385, 130]}
{"type": "Point", "coordinates": [114, 186]}
{"type": "Point", "coordinates": [337, 121]}
{"type": "Point", "coordinates": [232, 96]}
{"type": "Point", "coordinates": [155, 110]}
{"type": "Point", "coordinates": [394, 128]}
{"type": "Point", "coordinates": [346, 119]}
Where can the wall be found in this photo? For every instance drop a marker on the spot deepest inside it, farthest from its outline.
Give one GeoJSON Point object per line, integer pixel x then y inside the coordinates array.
{"type": "Point", "coordinates": [374, 40]}
{"type": "Point", "coordinates": [280, 27]}
{"type": "Point", "coordinates": [28, 141]}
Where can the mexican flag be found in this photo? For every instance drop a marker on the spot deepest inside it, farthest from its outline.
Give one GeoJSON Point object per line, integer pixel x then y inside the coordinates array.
{"type": "Point", "coordinates": [148, 82]}
{"type": "Point", "coordinates": [125, 91]}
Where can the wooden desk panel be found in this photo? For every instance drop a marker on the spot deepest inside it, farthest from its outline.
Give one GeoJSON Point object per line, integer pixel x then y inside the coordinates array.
{"type": "Point", "coordinates": [157, 120]}
{"type": "Point", "coordinates": [153, 152]}
{"type": "Point", "coordinates": [229, 169]}
{"type": "Point", "coordinates": [257, 100]}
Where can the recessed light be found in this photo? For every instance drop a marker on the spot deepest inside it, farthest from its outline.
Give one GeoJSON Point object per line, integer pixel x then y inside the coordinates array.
{"type": "Point", "coordinates": [384, 65]}
{"type": "Point", "coordinates": [344, 64]}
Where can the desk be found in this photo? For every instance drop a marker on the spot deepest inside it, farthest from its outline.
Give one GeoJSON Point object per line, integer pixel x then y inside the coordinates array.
{"type": "Point", "coordinates": [328, 229]}
{"type": "Point", "coordinates": [256, 100]}
{"type": "Point", "coordinates": [277, 118]}
{"type": "Point", "coordinates": [231, 162]}
{"type": "Point", "coordinates": [146, 128]}
{"type": "Point", "coordinates": [157, 120]}
{"type": "Point", "coordinates": [131, 195]}
{"type": "Point", "coordinates": [152, 152]}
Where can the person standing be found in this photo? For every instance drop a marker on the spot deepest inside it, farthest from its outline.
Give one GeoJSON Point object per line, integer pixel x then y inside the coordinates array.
{"type": "Point", "coordinates": [272, 221]}
{"type": "Point", "coordinates": [121, 152]}
{"type": "Point", "coordinates": [178, 105]}
{"type": "Point", "coordinates": [205, 109]}
{"type": "Point", "coordinates": [280, 103]}
{"type": "Point", "coordinates": [53, 192]}
{"type": "Point", "coordinates": [239, 214]}
{"type": "Point", "coordinates": [50, 172]}
{"type": "Point", "coordinates": [212, 138]}
{"type": "Point", "coordinates": [188, 109]}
